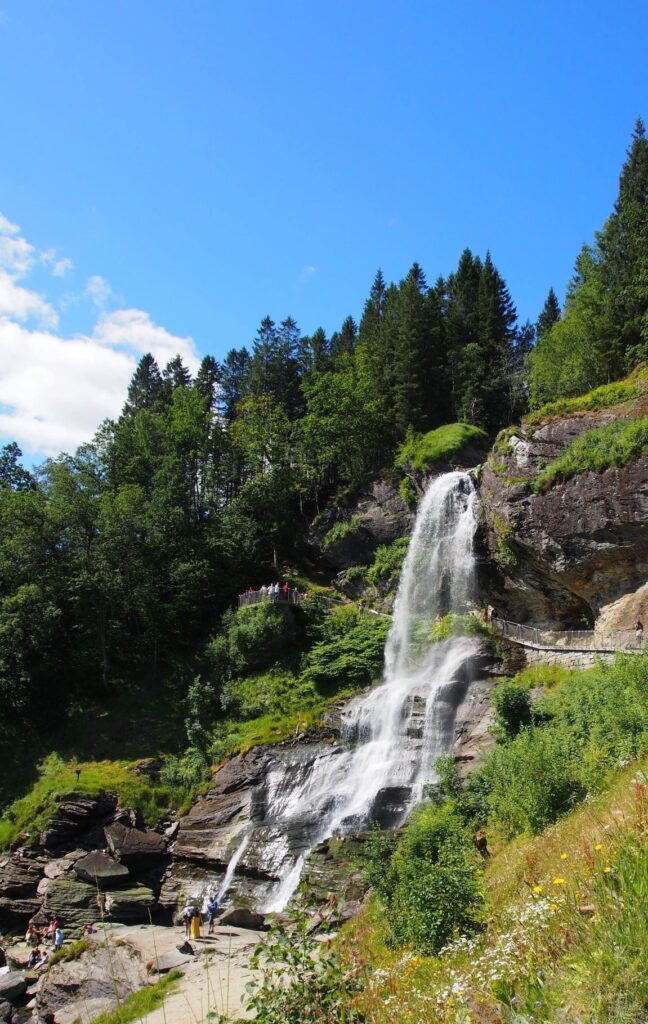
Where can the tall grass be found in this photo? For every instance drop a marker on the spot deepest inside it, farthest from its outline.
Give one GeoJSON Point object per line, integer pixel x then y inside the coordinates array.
{"type": "Point", "coordinates": [614, 444]}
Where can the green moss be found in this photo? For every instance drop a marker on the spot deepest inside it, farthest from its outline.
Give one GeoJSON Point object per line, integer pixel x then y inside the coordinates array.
{"type": "Point", "coordinates": [614, 444]}
{"type": "Point", "coordinates": [456, 625]}
{"type": "Point", "coordinates": [422, 450]}
{"type": "Point", "coordinates": [71, 952]}
{"type": "Point", "coordinates": [505, 555]}
{"type": "Point", "coordinates": [599, 398]}
{"type": "Point", "coordinates": [340, 531]}
{"type": "Point", "coordinates": [139, 1004]}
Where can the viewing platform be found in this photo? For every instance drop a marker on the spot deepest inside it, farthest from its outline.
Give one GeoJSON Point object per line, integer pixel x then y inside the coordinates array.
{"type": "Point", "coordinates": [292, 596]}
{"type": "Point", "coordinates": [590, 641]}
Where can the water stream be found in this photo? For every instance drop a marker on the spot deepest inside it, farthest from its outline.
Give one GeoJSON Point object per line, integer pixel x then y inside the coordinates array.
{"type": "Point", "coordinates": [392, 735]}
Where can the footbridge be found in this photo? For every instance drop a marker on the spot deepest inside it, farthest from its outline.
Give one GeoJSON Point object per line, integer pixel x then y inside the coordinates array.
{"type": "Point", "coordinates": [576, 641]}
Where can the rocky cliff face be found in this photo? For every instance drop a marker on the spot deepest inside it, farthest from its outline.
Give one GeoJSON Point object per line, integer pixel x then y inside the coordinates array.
{"type": "Point", "coordinates": [575, 555]}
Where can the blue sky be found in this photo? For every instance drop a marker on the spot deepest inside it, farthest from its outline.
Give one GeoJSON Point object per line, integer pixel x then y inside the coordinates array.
{"type": "Point", "coordinates": [172, 172]}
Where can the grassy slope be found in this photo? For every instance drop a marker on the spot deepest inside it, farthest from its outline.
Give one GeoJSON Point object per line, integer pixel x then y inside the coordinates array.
{"type": "Point", "coordinates": [566, 936]}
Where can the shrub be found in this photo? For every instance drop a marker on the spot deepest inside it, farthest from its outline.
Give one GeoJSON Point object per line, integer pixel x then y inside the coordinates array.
{"type": "Point", "coordinates": [420, 451]}
{"type": "Point", "coordinates": [388, 562]}
{"type": "Point", "coordinates": [407, 491]}
{"type": "Point", "coordinates": [349, 653]}
{"type": "Point", "coordinates": [431, 886]}
{"type": "Point", "coordinates": [300, 979]}
{"type": "Point", "coordinates": [512, 703]}
{"type": "Point", "coordinates": [614, 444]}
{"type": "Point", "coordinates": [533, 780]}
{"type": "Point", "coordinates": [250, 639]}
{"type": "Point", "coordinates": [340, 531]}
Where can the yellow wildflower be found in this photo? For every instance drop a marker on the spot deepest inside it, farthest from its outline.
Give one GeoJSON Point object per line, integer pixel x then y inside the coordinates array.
{"type": "Point", "coordinates": [559, 881]}
{"type": "Point", "coordinates": [598, 846]}
{"type": "Point", "coordinates": [563, 856]}
{"type": "Point", "coordinates": [537, 889]}
{"type": "Point", "coordinates": [607, 869]}
{"type": "Point", "coordinates": [554, 907]}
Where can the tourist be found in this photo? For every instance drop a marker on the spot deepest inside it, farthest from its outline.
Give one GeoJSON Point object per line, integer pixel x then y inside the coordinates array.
{"type": "Point", "coordinates": [286, 588]}
{"type": "Point", "coordinates": [263, 591]}
{"type": "Point", "coordinates": [32, 938]}
{"type": "Point", "coordinates": [212, 910]}
{"type": "Point", "coordinates": [639, 632]}
{"type": "Point", "coordinates": [34, 958]}
{"type": "Point", "coordinates": [42, 963]}
{"type": "Point", "coordinates": [58, 939]}
{"type": "Point", "coordinates": [494, 616]}
{"type": "Point", "coordinates": [185, 919]}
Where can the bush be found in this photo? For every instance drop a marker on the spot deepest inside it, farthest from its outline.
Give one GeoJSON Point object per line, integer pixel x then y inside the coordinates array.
{"type": "Point", "coordinates": [614, 444]}
{"type": "Point", "coordinates": [340, 531]}
{"type": "Point", "coordinates": [349, 653]}
{"type": "Point", "coordinates": [431, 886]}
{"type": "Point", "coordinates": [421, 451]}
{"type": "Point", "coordinates": [388, 562]}
{"type": "Point", "coordinates": [250, 639]}
{"type": "Point", "coordinates": [533, 780]}
{"type": "Point", "coordinates": [512, 703]}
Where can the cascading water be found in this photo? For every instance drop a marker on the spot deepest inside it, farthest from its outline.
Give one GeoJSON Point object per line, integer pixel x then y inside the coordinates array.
{"type": "Point", "coordinates": [392, 735]}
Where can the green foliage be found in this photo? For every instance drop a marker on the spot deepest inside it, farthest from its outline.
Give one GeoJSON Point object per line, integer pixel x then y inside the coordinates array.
{"type": "Point", "coordinates": [430, 886]}
{"type": "Point", "coordinates": [341, 530]}
{"type": "Point", "coordinates": [388, 562]}
{"type": "Point", "coordinates": [455, 625]}
{"type": "Point", "coordinates": [250, 639]}
{"type": "Point", "coordinates": [301, 979]}
{"type": "Point", "coordinates": [137, 1006]}
{"type": "Point", "coordinates": [512, 703]}
{"type": "Point", "coordinates": [421, 451]}
{"type": "Point", "coordinates": [71, 952]}
{"type": "Point", "coordinates": [356, 574]}
{"type": "Point", "coordinates": [602, 397]}
{"type": "Point", "coordinates": [407, 491]}
{"type": "Point", "coordinates": [349, 652]}
{"type": "Point", "coordinates": [613, 444]}
{"type": "Point", "coordinates": [505, 555]}
{"type": "Point", "coordinates": [580, 733]}
{"type": "Point", "coordinates": [57, 778]}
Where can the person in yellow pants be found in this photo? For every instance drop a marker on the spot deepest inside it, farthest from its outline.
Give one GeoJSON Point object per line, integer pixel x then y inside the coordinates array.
{"type": "Point", "coordinates": [195, 926]}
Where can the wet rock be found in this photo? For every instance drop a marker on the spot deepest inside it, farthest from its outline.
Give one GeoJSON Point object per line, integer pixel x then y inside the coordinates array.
{"type": "Point", "coordinates": [12, 986]}
{"type": "Point", "coordinates": [91, 984]}
{"type": "Point", "coordinates": [101, 870]}
{"type": "Point", "coordinates": [134, 846]}
{"type": "Point", "coordinates": [241, 917]}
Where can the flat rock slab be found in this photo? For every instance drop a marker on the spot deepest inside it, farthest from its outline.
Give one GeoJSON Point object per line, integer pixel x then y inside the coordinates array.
{"type": "Point", "coordinates": [240, 917]}
{"type": "Point", "coordinates": [101, 870]}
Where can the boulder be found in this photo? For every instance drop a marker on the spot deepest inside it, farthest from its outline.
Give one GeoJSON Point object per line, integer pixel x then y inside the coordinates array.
{"type": "Point", "coordinates": [91, 984]}
{"type": "Point", "coordinates": [129, 906]}
{"type": "Point", "coordinates": [75, 816]}
{"type": "Point", "coordinates": [6, 1011]}
{"type": "Point", "coordinates": [18, 878]}
{"type": "Point", "coordinates": [101, 870]}
{"type": "Point", "coordinates": [240, 917]}
{"type": "Point", "coordinates": [76, 903]}
{"type": "Point", "coordinates": [134, 846]}
{"type": "Point", "coordinates": [12, 986]}
{"type": "Point", "coordinates": [58, 866]}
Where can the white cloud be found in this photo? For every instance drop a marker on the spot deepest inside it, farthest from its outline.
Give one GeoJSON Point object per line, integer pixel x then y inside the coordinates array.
{"type": "Point", "coordinates": [59, 265]}
{"type": "Point", "coordinates": [6, 226]}
{"type": "Point", "coordinates": [98, 290]}
{"type": "Point", "coordinates": [57, 390]}
{"type": "Point", "coordinates": [22, 304]}
{"type": "Point", "coordinates": [308, 272]}
{"type": "Point", "coordinates": [54, 390]}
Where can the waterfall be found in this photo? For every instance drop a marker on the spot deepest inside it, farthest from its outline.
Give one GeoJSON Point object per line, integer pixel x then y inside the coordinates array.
{"type": "Point", "coordinates": [231, 867]}
{"type": "Point", "coordinates": [392, 735]}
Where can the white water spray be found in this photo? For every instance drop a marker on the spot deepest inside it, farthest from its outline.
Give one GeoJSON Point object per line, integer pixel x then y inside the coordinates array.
{"type": "Point", "coordinates": [232, 865]}
{"type": "Point", "coordinates": [396, 731]}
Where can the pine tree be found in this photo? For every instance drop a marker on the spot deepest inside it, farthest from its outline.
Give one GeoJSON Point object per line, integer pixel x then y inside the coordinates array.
{"type": "Point", "coordinates": [409, 396]}
{"type": "Point", "coordinates": [146, 389]}
{"type": "Point", "coordinates": [549, 316]}
{"type": "Point", "coordinates": [235, 382]}
{"type": "Point", "coordinates": [623, 251]}
{"type": "Point", "coordinates": [176, 373]}
{"type": "Point", "coordinates": [207, 380]}
{"type": "Point", "coordinates": [343, 342]}
{"type": "Point", "coordinates": [461, 320]}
